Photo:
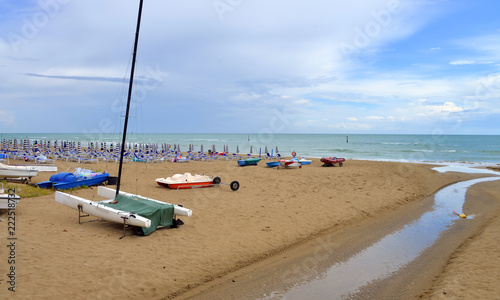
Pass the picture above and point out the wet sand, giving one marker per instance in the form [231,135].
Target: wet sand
[272,212]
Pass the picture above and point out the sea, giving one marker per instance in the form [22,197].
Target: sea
[429,148]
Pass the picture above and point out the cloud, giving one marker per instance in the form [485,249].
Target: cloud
[374,118]
[95,78]
[462,62]
[233,72]
[470,62]
[7,117]
[446,107]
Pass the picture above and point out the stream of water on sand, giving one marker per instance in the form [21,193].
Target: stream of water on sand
[392,252]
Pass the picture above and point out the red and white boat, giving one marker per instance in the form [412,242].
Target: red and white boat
[331,161]
[291,163]
[187,181]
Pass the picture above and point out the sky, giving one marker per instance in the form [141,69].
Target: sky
[251,66]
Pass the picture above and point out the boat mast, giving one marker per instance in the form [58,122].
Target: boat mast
[122,150]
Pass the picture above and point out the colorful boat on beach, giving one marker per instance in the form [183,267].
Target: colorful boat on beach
[331,161]
[67,180]
[304,161]
[248,161]
[290,163]
[187,181]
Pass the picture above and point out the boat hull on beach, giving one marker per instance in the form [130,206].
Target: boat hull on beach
[187,181]
[331,161]
[292,163]
[273,164]
[248,162]
[98,209]
[73,182]
[8,171]
[8,201]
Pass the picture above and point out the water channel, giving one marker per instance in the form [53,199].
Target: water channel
[383,263]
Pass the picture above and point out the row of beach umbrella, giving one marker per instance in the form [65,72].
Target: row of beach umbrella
[56,149]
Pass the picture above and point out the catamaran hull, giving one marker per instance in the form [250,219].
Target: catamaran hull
[101,211]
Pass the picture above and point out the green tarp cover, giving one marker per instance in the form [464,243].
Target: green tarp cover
[160,214]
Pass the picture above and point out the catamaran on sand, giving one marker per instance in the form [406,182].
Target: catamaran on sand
[122,207]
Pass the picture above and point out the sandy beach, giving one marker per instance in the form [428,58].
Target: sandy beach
[272,212]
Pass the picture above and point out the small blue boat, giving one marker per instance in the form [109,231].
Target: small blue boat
[305,161]
[66,180]
[273,164]
[248,162]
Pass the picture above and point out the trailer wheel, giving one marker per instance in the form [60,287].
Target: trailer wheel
[216,180]
[341,164]
[235,185]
